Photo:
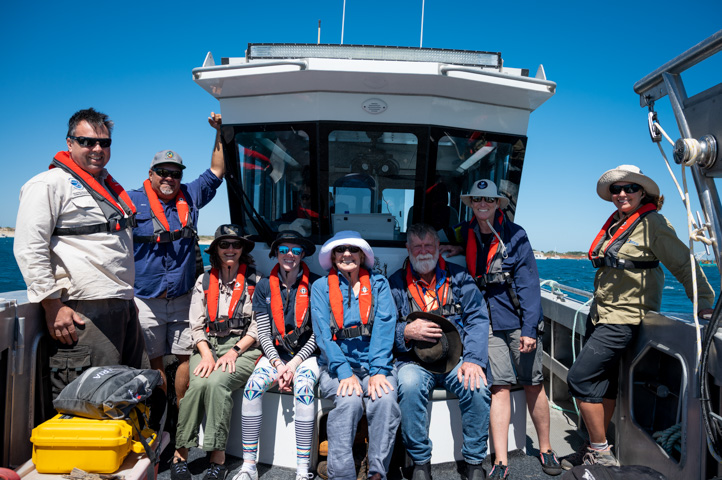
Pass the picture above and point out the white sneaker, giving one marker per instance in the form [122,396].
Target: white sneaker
[246,475]
[304,476]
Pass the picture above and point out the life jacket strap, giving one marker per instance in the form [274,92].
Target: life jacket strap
[290,340]
[353,332]
[236,323]
[112,226]
[166,237]
[621,263]
[503,278]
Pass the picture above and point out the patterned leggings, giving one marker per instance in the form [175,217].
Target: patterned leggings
[304,381]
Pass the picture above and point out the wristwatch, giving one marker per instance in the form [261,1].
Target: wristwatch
[237,349]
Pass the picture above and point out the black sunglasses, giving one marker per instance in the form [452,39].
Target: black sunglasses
[237,244]
[343,248]
[174,174]
[629,188]
[486,199]
[283,250]
[89,142]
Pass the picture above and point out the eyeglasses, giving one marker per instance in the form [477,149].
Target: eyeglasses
[629,188]
[237,244]
[486,199]
[282,250]
[89,142]
[344,248]
[174,174]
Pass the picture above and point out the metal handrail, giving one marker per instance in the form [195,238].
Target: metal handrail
[688,59]
[552,86]
[217,68]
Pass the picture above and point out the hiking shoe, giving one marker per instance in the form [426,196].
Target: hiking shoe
[322,470]
[421,472]
[179,470]
[499,470]
[216,472]
[550,463]
[475,472]
[247,475]
[601,457]
[573,459]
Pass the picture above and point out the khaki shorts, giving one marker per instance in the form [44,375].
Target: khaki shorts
[508,365]
[165,325]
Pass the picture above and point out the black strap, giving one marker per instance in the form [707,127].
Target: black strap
[354,332]
[290,341]
[234,323]
[621,263]
[107,227]
[166,237]
[504,278]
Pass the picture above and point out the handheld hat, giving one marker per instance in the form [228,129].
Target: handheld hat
[345,237]
[292,236]
[167,156]
[625,173]
[484,188]
[442,356]
[228,231]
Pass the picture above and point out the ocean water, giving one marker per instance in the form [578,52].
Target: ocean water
[574,273]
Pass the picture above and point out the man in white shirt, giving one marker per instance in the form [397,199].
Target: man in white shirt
[73,244]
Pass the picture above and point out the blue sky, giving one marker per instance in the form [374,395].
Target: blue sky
[133,61]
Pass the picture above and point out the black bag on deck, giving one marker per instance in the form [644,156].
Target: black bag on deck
[107,392]
[599,472]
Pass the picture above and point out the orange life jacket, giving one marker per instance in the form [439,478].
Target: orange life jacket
[119,210]
[244,285]
[609,256]
[161,227]
[290,341]
[366,307]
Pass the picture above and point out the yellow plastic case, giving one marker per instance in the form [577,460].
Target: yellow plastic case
[98,446]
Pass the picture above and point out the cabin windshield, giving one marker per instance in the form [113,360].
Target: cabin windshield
[322,177]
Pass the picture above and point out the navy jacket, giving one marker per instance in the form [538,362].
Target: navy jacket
[472,323]
[520,263]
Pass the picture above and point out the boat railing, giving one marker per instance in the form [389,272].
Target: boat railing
[197,72]
[445,69]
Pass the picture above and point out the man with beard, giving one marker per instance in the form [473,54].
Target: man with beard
[164,244]
[441,341]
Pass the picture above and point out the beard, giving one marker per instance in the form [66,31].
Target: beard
[425,263]
[166,189]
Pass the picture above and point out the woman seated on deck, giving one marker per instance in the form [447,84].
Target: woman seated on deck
[281,306]
[226,350]
[354,319]
[628,284]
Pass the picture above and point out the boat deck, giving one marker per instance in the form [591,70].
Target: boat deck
[524,465]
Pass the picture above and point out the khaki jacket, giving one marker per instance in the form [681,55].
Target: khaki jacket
[624,296]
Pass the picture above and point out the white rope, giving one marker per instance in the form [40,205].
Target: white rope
[696,234]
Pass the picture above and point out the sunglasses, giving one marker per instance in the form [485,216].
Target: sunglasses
[89,142]
[237,244]
[174,174]
[486,199]
[344,248]
[629,188]
[295,250]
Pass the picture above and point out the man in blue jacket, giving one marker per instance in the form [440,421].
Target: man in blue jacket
[164,245]
[500,258]
[441,341]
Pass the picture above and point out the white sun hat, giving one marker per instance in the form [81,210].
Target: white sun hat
[484,188]
[345,237]
[625,173]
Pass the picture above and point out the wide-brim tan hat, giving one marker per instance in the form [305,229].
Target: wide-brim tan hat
[442,356]
[625,173]
[345,237]
[484,188]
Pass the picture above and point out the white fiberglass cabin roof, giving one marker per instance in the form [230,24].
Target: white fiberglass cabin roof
[291,82]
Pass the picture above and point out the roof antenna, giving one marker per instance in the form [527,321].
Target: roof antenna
[319,33]
[421,42]
[343,20]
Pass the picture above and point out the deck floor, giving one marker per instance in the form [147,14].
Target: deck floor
[564,438]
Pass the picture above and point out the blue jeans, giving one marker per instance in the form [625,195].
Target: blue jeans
[415,387]
[383,419]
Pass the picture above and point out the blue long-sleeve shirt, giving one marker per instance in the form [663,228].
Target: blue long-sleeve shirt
[169,267]
[342,357]
[520,263]
[472,323]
